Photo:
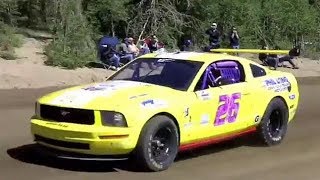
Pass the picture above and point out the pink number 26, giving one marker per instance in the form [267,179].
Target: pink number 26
[228,110]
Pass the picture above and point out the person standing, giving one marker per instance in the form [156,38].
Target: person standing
[234,38]
[214,36]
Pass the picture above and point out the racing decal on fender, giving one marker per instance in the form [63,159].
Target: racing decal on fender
[80,97]
[277,84]
[257,119]
[186,112]
[205,119]
[112,86]
[153,103]
[292,97]
[205,95]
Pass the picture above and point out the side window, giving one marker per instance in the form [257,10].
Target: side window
[257,71]
[221,73]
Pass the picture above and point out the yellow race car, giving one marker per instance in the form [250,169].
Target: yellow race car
[160,104]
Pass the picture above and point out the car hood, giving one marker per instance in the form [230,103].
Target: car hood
[108,95]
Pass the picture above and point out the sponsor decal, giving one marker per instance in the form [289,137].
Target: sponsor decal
[153,103]
[165,60]
[186,112]
[205,95]
[277,84]
[205,119]
[292,97]
[257,119]
[111,85]
[148,102]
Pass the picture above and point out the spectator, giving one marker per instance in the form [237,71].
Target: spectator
[273,59]
[293,53]
[110,55]
[115,62]
[124,52]
[186,45]
[143,46]
[153,44]
[132,48]
[214,36]
[234,39]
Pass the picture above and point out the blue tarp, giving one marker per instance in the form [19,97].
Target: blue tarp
[107,40]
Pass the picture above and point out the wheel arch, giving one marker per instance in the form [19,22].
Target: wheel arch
[282,99]
[172,117]
[277,97]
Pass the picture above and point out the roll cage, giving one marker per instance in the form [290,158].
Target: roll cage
[220,73]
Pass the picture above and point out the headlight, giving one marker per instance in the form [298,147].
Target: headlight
[110,118]
[37,110]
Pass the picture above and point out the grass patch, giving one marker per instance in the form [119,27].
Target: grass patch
[69,57]
[8,55]
[8,41]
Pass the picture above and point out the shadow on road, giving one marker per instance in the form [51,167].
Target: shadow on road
[248,140]
[29,154]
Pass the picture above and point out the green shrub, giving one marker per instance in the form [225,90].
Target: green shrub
[73,46]
[8,55]
[67,57]
[8,36]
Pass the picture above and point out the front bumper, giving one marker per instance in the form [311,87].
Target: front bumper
[55,153]
[84,139]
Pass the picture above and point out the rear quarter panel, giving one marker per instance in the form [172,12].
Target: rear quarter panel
[273,84]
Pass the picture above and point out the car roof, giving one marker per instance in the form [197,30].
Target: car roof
[205,57]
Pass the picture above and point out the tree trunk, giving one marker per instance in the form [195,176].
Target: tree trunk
[112,29]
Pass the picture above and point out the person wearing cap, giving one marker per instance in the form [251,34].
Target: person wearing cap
[214,36]
[124,52]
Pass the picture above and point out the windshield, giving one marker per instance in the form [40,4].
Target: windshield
[173,73]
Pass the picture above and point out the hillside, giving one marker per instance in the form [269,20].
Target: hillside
[29,71]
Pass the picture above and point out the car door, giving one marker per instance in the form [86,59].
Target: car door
[222,109]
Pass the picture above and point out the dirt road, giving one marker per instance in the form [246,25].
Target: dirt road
[297,158]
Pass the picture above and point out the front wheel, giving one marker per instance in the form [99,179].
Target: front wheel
[158,144]
[273,126]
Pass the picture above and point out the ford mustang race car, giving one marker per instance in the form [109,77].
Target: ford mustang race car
[161,104]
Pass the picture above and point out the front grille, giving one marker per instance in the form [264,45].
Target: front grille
[59,143]
[68,115]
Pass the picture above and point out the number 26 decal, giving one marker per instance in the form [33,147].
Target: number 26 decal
[228,110]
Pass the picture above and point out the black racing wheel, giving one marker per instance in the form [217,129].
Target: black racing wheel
[158,144]
[273,126]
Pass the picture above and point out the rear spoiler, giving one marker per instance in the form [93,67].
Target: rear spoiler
[253,51]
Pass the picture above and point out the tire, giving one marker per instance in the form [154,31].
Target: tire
[149,144]
[273,126]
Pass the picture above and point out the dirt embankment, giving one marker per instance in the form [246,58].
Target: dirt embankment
[29,71]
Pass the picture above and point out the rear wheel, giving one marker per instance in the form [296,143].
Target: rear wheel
[273,127]
[158,144]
